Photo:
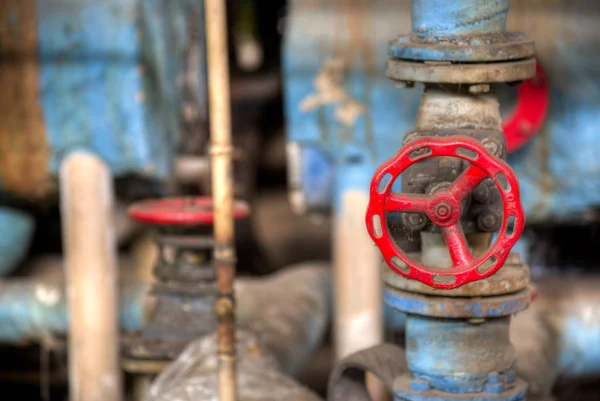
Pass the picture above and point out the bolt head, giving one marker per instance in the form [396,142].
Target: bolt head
[493,147]
[494,388]
[482,193]
[494,378]
[419,385]
[487,222]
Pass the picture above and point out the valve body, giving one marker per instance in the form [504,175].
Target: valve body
[445,211]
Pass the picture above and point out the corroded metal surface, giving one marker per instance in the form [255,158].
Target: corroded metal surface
[455,307]
[24,148]
[511,278]
[452,18]
[454,353]
[516,392]
[445,72]
[492,47]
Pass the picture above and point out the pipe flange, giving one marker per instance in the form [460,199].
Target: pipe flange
[483,48]
[447,73]
[407,388]
[514,276]
[459,308]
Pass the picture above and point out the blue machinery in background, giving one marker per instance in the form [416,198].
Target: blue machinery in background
[345,119]
[101,77]
[342,113]
[88,75]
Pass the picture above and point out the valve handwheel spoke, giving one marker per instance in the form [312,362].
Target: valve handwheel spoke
[466,182]
[407,203]
[457,244]
[444,209]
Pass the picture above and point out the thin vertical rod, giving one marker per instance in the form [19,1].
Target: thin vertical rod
[90,261]
[222,191]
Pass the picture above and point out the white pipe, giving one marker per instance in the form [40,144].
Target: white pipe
[91,274]
[358,293]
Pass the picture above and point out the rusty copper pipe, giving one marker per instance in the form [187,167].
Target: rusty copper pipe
[222,191]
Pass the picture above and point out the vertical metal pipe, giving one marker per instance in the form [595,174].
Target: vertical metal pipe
[91,273]
[222,191]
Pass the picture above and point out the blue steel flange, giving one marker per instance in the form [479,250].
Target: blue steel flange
[509,388]
[480,48]
[458,307]
[461,31]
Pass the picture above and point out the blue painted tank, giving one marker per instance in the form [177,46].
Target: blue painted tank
[101,76]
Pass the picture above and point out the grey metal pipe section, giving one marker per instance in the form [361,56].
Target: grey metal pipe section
[35,310]
[282,320]
[289,312]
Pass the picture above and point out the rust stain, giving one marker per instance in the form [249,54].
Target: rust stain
[24,149]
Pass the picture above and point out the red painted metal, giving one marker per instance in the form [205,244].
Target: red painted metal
[530,112]
[444,208]
[181,211]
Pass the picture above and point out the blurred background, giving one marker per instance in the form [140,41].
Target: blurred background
[126,81]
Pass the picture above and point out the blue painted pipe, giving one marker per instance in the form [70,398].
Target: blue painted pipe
[448,18]
[17,229]
[34,310]
[455,355]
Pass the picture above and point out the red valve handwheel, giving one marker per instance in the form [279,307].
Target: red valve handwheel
[181,211]
[444,209]
[530,112]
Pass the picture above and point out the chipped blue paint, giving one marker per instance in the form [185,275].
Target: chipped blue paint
[448,22]
[448,18]
[405,304]
[458,357]
[108,80]
[316,177]
[475,308]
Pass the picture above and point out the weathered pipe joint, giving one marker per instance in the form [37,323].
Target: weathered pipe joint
[447,34]
[458,341]
[498,387]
